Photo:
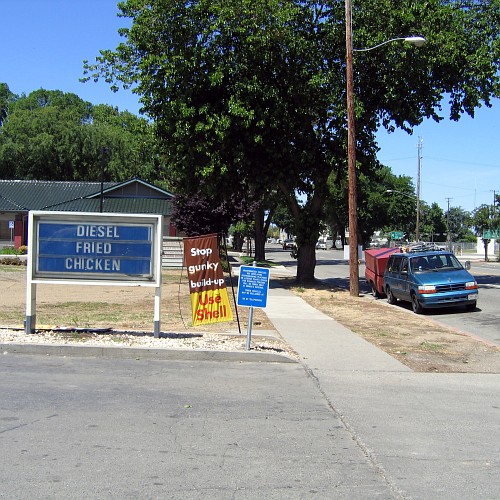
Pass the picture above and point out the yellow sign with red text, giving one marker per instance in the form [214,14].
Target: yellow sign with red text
[207,286]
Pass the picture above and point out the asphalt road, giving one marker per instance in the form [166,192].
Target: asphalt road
[123,428]
[483,323]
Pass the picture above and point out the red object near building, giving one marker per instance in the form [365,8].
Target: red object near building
[375,264]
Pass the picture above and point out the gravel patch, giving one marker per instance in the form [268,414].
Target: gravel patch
[167,340]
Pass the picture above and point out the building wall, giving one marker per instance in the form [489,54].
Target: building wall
[6,233]
[491,247]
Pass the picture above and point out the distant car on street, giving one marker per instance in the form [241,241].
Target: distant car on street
[324,244]
[289,244]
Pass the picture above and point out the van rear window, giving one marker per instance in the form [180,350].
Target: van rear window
[394,265]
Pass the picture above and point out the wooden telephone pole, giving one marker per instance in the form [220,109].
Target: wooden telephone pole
[419,164]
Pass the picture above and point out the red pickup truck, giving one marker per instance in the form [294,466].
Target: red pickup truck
[375,263]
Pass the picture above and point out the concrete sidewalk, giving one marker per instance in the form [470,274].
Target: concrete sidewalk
[432,436]
[321,341]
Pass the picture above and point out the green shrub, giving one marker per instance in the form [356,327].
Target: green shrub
[22,250]
[8,251]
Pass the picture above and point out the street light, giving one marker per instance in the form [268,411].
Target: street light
[418,41]
[351,146]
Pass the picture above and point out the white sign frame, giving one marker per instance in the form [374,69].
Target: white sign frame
[33,277]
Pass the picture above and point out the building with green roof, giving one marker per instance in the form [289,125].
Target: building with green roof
[135,196]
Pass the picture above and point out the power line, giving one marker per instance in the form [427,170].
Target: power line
[464,162]
[447,160]
[398,159]
[457,187]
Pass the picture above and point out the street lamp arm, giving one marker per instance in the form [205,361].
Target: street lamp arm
[413,196]
[418,41]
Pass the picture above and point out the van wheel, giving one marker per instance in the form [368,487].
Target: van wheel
[415,304]
[390,297]
[471,307]
[375,292]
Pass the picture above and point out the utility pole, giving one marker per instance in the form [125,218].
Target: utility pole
[419,164]
[351,158]
[493,208]
[448,224]
[493,222]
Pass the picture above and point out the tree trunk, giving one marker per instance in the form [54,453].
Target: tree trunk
[486,243]
[307,227]
[262,224]
[306,262]
[238,243]
[260,236]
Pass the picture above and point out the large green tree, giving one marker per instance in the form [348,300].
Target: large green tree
[6,97]
[458,221]
[53,135]
[483,219]
[387,203]
[486,218]
[433,223]
[253,91]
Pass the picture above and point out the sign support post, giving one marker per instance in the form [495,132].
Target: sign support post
[253,286]
[11,227]
[157,312]
[30,321]
[30,308]
[249,328]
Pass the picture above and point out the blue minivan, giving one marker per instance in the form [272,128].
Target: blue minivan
[429,279]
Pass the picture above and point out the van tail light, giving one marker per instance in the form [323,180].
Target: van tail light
[471,285]
[426,289]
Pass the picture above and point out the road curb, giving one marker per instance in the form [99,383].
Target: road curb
[145,353]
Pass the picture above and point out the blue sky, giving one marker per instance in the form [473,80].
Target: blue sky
[44,43]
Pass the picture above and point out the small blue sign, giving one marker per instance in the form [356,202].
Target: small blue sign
[253,286]
[108,249]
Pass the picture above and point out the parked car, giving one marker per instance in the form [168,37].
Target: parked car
[289,244]
[429,279]
[324,244]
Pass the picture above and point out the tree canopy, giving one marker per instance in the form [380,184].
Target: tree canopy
[196,214]
[6,97]
[253,91]
[52,135]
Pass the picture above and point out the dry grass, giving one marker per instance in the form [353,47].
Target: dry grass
[122,308]
[416,340]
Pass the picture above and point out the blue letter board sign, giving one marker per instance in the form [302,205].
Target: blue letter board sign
[112,249]
[91,247]
[253,285]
